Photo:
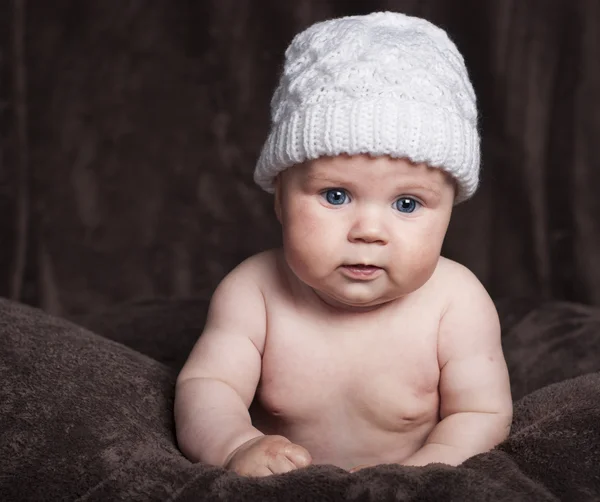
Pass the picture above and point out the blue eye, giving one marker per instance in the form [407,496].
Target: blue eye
[336,196]
[406,205]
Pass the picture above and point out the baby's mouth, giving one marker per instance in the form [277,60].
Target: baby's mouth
[361,269]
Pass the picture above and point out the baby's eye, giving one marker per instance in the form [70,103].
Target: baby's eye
[406,204]
[336,196]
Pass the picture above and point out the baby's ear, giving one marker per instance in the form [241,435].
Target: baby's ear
[277,200]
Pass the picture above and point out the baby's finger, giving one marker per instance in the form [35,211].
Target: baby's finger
[280,464]
[298,455]
[257,471]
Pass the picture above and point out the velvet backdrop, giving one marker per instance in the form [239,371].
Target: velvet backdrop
[144,120]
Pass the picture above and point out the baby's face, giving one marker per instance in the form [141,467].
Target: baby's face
[360,230]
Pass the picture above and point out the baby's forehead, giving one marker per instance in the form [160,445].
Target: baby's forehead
[366,167]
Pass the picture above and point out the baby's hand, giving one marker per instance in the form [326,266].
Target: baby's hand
[266,455]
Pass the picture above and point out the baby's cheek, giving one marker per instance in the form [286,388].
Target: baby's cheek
[308,252]
[308,229]
[311,254]
[420,259]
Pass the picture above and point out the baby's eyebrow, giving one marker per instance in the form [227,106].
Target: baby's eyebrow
[428,187]
[399,186]
[324,177]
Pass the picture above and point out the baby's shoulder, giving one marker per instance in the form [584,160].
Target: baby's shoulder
[452,280]
[460,289]
[262,269]
[449,271]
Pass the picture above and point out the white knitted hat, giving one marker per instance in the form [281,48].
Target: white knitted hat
[380,84]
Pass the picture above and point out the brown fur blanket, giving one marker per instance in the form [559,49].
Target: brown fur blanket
[87,418]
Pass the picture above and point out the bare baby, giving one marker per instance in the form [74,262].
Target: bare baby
[356,343]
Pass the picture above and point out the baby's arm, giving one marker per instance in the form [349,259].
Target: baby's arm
[217,384]
[218,381]
[475,398]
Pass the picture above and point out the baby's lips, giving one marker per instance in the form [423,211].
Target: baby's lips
[361,265]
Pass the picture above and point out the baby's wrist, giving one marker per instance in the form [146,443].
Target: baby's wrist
[237,442]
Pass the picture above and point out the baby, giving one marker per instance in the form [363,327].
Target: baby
[355,344]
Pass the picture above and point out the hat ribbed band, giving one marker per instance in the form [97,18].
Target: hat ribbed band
[400,129]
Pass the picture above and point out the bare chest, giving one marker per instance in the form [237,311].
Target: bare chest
[380,371]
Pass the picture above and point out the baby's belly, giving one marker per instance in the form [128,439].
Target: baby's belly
[348,446]
[349,428]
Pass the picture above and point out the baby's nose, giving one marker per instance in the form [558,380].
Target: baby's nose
[369,227]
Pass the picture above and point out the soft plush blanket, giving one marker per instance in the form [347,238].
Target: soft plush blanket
[87,418]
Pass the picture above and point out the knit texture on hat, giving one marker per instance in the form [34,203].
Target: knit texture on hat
[380,84]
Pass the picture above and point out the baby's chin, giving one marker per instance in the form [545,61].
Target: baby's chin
[346,304]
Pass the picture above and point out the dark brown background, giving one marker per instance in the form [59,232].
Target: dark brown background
[131,147]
